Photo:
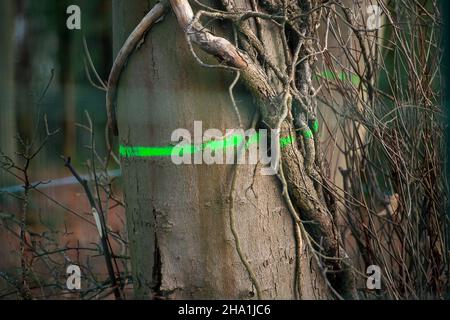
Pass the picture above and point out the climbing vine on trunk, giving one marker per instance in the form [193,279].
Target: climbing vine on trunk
[287,87]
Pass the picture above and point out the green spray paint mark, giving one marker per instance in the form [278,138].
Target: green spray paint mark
[167,151]
[145,151]
[315,126]
[307,134]
[285,141]
[330,75]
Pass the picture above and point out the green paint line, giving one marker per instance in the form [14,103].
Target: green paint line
[167,151]
[307,134]
[315,126]
[330,75]
[125,151]
[285,141]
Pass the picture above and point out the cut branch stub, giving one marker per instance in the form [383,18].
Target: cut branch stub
[225,52]
[219,47]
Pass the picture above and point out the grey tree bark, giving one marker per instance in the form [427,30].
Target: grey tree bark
[178,216]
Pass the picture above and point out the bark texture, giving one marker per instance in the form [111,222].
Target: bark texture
[178,221]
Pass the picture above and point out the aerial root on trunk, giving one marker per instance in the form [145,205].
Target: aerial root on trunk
[133,40]
[296,171]
[275,108]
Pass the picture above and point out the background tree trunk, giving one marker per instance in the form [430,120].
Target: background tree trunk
[7,119]
[7,105]
[178,221]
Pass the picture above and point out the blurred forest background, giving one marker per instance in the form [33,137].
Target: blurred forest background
[47,102]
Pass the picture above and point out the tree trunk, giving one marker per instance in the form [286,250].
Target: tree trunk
[67,79]
[7,106]
[178,217]
[7,124]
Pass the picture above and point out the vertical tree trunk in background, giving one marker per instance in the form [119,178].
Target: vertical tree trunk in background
[177,216]
[346,96]
[68,88]
[23,73]
[67,65]
[332,138]
[7,123]
[7,106]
